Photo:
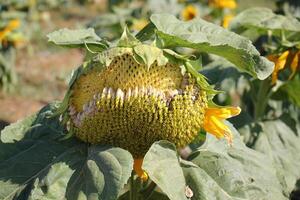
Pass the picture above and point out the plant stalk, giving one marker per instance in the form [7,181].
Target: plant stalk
[262,99]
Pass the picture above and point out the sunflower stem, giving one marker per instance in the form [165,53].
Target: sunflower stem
[147,192]
[132,187]
[262,99]
[135,186]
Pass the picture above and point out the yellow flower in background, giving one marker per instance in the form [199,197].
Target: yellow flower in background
[137,166]
[213,121]
[280,62]
[189,13]
[138,24]
[12,25]
[227,19]
[230,4]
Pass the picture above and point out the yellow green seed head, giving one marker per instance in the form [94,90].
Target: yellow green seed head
[130,105]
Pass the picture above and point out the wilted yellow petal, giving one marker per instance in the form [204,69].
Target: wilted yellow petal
[138,169]
[279,64]
[295,64]
[213,121]
[223,113]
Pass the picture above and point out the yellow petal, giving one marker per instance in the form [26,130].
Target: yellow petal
[230,4]
[12,25]
[138,169]
[226,20]
[279,64]
[295,64]
[282,60]
[223,112]
[214,121]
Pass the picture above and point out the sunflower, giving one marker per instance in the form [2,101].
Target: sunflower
[189,13]
[230,4]
[131,97]
[11,26]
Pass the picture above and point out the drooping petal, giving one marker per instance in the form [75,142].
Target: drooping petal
[214,121]
[279,64]
[223,112]
[295,64]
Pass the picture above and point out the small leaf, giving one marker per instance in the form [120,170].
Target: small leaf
[207,37]
[16,131]
[127,39]
[76,38]
[157,164]
[150,54]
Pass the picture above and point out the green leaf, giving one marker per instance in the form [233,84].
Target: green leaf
[127,39]
[290,89]
[161,163]
[16,131]
[37,164]
[76,38]
[54,184]
[281,144]
[150,54]
[207,37]
[262,20]
[100,174]
[146,32]
[219,171]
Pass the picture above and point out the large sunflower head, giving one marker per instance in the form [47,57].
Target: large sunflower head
[134,94]
[121,101]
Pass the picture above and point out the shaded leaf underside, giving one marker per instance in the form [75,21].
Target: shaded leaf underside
[37,164]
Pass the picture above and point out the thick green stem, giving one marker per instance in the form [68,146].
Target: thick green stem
[262,99]
[132,187]
[147,192]
[135,187]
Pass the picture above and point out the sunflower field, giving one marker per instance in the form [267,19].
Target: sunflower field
[150,100]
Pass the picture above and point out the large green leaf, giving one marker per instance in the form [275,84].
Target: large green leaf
[216,171]
[207,37]
[281,144]
[38,164]
[76,38]
[219,171]
[162,165]
[262,20]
